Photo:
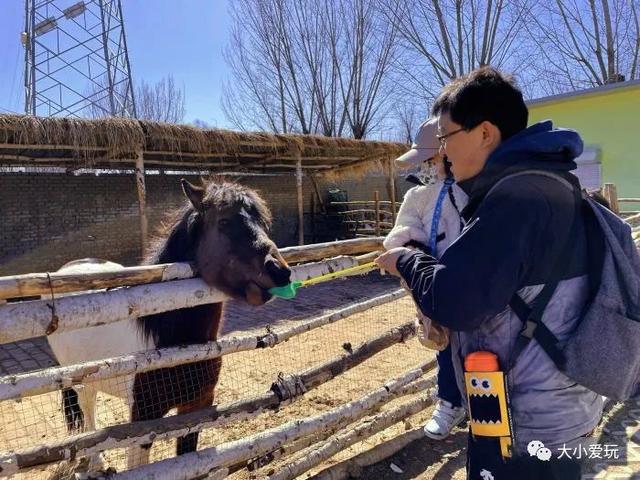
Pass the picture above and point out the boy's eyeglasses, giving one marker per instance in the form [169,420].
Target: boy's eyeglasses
[443,138]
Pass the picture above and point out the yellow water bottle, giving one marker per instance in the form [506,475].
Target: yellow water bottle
[488,399]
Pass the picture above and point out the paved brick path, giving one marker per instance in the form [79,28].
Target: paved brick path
[34,354]
[309,301]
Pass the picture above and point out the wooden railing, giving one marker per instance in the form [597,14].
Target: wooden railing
[610,192]
[367,218]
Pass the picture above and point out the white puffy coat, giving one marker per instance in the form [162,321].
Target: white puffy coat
[416,213]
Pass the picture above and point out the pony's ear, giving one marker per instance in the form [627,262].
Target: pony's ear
[194,194]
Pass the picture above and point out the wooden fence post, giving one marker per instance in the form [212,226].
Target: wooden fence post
[313,218]
[300,198]
[392,189]
[142,200]
[376,199]
[611,194]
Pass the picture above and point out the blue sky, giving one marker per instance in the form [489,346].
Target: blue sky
[183,38]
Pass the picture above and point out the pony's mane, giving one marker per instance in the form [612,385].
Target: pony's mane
[175,240]
[223,194]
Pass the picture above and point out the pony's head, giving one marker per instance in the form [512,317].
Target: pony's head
[234,251]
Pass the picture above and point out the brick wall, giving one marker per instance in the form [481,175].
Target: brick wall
[49,219]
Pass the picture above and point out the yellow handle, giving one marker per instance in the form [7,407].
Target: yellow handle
[365,267]
[505,447]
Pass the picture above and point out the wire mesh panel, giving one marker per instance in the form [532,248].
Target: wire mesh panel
[52,417]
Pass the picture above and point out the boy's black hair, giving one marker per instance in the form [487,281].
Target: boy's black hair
[439,103]
[485,94]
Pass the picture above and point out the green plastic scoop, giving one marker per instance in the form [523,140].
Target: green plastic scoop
[289,291]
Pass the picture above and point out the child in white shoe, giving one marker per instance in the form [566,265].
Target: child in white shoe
[429,219]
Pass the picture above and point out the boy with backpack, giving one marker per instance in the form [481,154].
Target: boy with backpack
[537,271]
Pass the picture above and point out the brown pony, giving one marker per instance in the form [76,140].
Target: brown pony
[223,229]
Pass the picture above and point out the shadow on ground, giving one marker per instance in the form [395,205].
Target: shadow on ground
[425,459]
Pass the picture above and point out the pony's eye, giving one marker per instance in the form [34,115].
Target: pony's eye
[224,222]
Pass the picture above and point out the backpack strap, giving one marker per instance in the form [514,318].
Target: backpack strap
[531,316]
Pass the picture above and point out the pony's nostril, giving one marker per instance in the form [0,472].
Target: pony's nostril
[286,275]
[279,274]
[283,278]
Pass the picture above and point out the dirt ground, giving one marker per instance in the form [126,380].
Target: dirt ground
[427,459]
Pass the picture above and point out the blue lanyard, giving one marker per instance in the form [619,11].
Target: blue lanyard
[437,212]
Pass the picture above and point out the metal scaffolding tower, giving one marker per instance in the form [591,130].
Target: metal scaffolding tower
[76,61]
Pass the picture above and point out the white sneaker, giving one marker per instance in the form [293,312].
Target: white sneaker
[444,418]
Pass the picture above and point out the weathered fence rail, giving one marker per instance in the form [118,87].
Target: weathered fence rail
[208,460]
[22,320]
[34,284]
[139,433]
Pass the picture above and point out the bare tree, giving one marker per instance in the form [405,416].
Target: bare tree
[308,66]
[442,40]
[266,90]
[585,43]
[160,102]
[408,116]
[369,42]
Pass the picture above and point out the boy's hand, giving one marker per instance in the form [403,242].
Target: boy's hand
[387,261]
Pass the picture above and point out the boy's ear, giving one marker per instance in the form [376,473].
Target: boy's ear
[491,136]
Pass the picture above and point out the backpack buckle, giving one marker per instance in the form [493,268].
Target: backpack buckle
[529,329]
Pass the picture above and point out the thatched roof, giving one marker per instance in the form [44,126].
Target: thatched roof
[115,143]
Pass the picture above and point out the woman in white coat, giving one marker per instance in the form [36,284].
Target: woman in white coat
[429,219]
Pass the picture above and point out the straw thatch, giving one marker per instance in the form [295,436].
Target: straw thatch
[115,143]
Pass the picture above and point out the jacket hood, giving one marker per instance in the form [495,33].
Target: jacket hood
[538,147]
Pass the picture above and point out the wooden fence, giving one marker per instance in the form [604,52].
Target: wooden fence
[166,287]
[620,205]
[305,442]
[367,218]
